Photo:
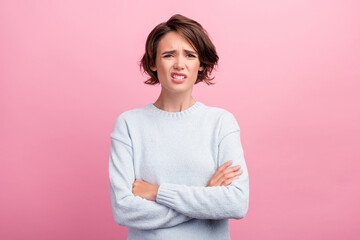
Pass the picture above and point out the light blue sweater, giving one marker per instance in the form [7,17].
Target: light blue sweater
[180,152]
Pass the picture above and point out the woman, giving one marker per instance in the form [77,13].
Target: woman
[177,167]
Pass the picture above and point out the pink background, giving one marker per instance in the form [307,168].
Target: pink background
[288,70]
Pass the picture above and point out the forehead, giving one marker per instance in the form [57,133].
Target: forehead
[173,41]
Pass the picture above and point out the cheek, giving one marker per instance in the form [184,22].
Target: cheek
[164,66]
[195,68]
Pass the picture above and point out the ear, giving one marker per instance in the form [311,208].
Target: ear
[153,68]
[201,68]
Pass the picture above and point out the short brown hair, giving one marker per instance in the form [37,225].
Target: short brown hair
[197,37]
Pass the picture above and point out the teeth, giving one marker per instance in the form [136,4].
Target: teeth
[178,77]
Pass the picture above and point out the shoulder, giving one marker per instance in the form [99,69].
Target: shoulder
[221,114]
[129,114]
[121,125]
[225,121]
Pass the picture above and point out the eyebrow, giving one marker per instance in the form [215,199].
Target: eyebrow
[172,51]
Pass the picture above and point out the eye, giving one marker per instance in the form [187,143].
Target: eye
[191,55]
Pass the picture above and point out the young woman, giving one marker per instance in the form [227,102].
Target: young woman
[177,167]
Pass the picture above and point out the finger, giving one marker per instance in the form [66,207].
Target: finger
[221,171]
[215,182]
[221,175]
[233,174]
[221,168]
[232,169]
[228,181]
[225,165]
[218,177]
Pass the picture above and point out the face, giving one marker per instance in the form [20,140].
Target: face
[175,54]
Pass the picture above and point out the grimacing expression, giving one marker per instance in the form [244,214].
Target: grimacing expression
[175,54]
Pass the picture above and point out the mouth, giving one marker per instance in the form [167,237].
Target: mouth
[178,76]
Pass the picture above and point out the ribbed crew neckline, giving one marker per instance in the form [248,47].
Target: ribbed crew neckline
[176,115]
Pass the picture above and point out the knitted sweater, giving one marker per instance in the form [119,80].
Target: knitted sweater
[180,152]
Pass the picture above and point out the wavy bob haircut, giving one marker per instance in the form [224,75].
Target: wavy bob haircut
[197,37]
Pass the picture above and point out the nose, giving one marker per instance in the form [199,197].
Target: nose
[179,62]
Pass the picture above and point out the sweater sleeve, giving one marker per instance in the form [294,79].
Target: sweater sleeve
[217,202]
[129,210]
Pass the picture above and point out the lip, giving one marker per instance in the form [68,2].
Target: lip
[179,74]
[178,80]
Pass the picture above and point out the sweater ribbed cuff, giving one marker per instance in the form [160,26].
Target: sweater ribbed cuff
[166,195]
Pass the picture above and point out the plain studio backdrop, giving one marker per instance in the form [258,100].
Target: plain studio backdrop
[289,71]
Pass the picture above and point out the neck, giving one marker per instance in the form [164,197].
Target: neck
[174,103]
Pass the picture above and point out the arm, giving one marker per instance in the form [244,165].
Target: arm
[213,202]
[129,210]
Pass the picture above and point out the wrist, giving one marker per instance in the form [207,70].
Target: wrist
[156,188]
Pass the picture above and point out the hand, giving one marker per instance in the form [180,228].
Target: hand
[145,190]
[223,176]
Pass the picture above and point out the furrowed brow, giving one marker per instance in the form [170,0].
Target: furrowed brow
[172,51]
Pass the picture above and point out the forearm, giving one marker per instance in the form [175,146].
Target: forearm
[217,202]
[205,202]
[129,210]
[136,212]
